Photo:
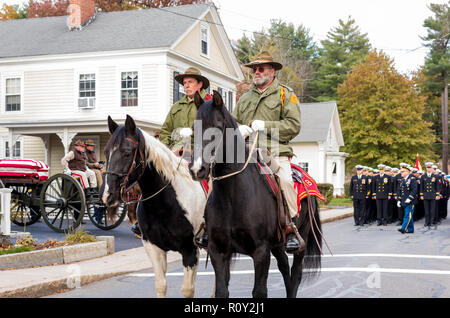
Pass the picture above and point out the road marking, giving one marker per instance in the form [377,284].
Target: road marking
[330,269]
[359,255]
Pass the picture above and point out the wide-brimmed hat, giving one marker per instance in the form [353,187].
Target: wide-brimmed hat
[89,142]
[265,58]
[79,142]
[195,73]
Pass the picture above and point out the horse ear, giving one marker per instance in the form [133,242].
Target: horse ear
[198,100]
[130,125]
[112,125]
[217,99]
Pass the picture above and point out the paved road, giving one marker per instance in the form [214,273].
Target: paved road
[368,262]
[124,238]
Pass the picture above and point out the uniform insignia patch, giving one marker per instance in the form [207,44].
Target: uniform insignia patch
[385,180]
[294,99]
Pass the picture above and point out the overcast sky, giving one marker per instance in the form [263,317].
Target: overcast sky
[392,25]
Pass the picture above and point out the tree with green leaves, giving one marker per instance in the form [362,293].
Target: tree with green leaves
[436,71]
[344,47]
[292,46]
[381,115]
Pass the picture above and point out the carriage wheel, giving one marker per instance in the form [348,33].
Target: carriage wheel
[23,213]
[62,203]
[97,214]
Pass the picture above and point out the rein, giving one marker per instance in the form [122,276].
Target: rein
[311,218]
[126,190]
[239,171]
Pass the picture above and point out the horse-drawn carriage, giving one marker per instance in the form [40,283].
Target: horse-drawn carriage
[61,199]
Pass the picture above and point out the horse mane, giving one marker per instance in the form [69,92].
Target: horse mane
[155,152]
[164,160]
[205,111]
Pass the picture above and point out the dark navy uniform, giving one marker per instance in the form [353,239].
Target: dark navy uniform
[382,191]
[429,189]
[358,192]
[406,198]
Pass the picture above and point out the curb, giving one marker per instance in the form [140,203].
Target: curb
[58,285]
[336,218]
[59,255]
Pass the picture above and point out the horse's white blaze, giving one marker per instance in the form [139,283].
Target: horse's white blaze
[197,165]
[158,258]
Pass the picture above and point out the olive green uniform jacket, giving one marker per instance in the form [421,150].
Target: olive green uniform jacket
[268,106]
[181,115]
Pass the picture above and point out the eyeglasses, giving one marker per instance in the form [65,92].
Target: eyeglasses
[260,69]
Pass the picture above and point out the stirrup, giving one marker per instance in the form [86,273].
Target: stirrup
[199,240]
[292,229]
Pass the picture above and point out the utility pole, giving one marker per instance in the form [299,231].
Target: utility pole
[445,128]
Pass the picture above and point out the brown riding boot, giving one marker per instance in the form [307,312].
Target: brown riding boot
[294,242]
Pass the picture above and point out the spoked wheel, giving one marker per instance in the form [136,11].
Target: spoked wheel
[63,203]
[23,212]
[98,215]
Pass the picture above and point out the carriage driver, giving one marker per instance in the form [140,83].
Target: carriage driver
[92,162]
[74,162]
[269,105]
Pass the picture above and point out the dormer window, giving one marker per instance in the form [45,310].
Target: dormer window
[204,39]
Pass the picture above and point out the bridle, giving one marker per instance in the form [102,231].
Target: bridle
[126,189]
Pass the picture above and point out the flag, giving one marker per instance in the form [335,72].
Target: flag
[418,166]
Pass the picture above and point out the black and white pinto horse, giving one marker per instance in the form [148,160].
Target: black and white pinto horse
[171,209]
[241,211]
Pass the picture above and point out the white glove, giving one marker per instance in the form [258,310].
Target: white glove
[407,201]
[68,171]
[185,132]
[399,204]
[258,125]
[245,130]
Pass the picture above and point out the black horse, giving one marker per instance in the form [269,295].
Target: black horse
[241,212]
[171,209]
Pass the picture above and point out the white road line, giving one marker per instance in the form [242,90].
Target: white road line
[330,269]
[443,257]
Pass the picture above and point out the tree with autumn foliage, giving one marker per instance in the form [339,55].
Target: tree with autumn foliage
[50,8]
[382,115]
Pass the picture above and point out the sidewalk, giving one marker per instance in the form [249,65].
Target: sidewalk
[46,280]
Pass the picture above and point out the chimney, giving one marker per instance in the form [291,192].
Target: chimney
[81,12]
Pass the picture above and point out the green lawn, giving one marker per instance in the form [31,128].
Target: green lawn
[340,202]
[16,250]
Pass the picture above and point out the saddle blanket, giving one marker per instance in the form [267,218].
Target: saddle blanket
[28,168]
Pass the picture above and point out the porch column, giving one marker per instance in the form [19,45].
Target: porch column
[66,139]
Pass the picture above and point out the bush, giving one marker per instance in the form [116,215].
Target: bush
[326,189]
[80,236]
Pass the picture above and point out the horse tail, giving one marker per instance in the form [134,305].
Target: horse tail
[313,254]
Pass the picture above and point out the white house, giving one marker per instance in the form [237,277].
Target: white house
[59,84]
[317,145]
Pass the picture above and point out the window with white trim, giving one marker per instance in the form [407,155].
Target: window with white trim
[86,95]
[178,89]
[204,39]
[12,94]
[16,152]
[227,97]
[304,166]
[129,89]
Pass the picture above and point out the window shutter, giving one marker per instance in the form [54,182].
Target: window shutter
[176,88]
[230,101]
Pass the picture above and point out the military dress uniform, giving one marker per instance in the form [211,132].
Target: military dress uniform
[382,191]
[395,185]
[429,189]
[358,192]
[407,195]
